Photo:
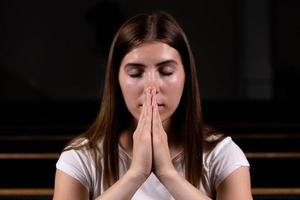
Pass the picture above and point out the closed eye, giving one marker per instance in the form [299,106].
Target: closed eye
[166,70]
[166,73]
[134,70]
[135,73]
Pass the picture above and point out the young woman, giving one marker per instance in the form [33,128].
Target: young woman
[149,141]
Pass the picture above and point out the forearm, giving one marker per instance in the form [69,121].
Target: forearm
[124,188]
[181,188]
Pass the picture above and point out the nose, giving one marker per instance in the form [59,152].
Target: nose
[152,81]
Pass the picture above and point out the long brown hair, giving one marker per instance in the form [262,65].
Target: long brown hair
[114,117]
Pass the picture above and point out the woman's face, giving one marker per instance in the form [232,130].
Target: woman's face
[154,65]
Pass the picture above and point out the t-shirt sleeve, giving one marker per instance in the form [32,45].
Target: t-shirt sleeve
[75,163]
[226,157]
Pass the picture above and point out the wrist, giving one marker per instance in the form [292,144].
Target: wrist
[167,174]
[136,176]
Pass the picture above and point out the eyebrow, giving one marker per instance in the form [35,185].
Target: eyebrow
[135,65]
[170,61]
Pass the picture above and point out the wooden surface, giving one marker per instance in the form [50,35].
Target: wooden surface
[29,155]
[275,191]
[26,192]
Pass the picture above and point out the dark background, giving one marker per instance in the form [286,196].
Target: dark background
[56,50]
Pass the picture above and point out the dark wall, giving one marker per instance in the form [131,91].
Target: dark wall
[56,50]
[47,51]
[286,56]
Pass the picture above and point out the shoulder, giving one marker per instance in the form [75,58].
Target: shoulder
[77,161]
[82,147]
[75,150]
[81,150]
[223,159]
[224,144]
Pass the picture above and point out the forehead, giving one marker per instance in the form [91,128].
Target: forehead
[152,52]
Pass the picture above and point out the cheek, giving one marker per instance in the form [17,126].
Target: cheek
[175,85]
[174,89]
[131,91]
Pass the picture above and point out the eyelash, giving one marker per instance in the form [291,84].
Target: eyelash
[139,74]
[136,75]
[166,73]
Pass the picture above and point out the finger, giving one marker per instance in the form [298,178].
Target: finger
[145,111]
[148,113]
[156,116]
[153,93]
[141,120]
[148,100]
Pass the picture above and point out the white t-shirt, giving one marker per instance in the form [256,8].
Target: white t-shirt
[218,163]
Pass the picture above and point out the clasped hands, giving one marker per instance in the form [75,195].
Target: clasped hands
[150,142]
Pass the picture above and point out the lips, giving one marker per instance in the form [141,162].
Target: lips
[160,104]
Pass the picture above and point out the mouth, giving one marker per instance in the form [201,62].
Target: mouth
[159,105]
